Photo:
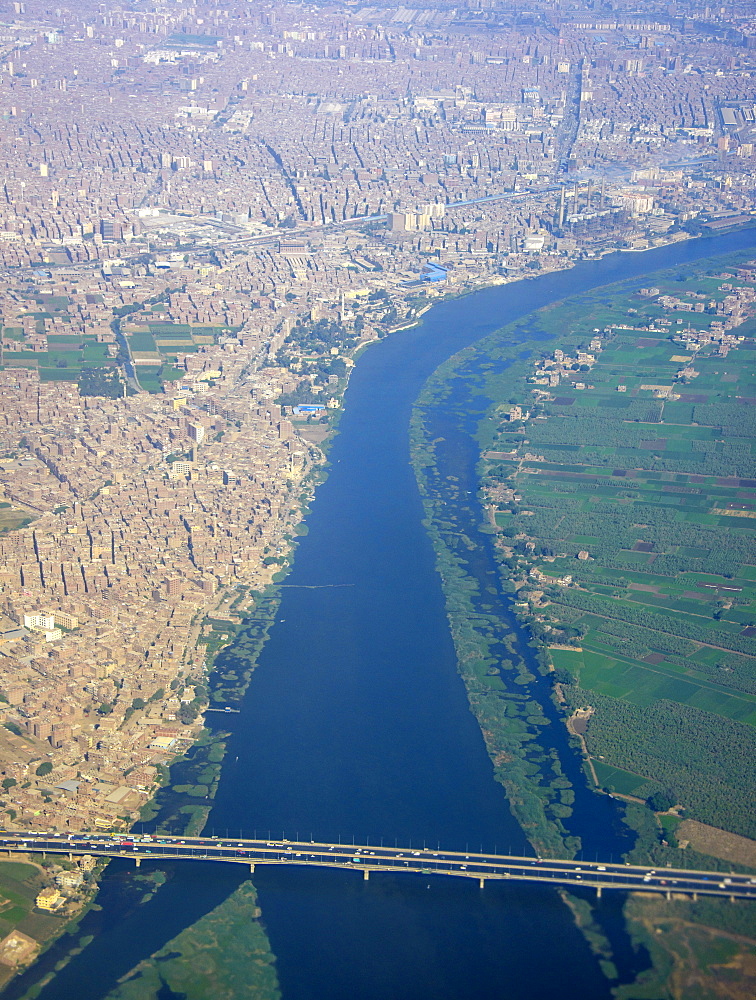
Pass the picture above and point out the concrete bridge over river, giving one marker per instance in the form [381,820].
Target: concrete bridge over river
[370,859]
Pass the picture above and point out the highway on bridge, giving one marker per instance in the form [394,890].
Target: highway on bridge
[370,858]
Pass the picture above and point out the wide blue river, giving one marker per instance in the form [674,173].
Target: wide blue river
[356,725]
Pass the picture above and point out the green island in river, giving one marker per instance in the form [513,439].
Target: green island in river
[617,480]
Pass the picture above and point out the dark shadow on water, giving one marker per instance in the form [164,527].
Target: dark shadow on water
[166,993]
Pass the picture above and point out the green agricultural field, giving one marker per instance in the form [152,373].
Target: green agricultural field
[169,373]
[64,341]
[53,303]
[643,684]
[12,518]
[149,377]
[616,780]
[141,341]
[161,343]
[635,511]
[64,359]
[94,354]
[169,330]
[567,659]
[59,374]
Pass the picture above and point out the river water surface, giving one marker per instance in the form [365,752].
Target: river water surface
[356,726]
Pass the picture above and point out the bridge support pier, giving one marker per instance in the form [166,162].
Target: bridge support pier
[137,862]
[251,868]
[366,874]
[70,856]
[598,891]
[668,894]
[481,882]
[695,897]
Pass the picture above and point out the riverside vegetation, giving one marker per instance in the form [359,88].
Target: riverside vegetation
[223,956]
[620,504]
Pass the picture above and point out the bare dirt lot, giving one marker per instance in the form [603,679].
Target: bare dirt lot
[718,843]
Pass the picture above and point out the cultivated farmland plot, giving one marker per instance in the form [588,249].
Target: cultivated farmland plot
[630,527]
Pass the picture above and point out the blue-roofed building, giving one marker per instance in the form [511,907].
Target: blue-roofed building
[307,409]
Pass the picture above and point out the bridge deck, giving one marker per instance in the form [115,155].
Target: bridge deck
[372,858]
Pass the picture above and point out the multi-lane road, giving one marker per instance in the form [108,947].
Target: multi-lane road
[369,858]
